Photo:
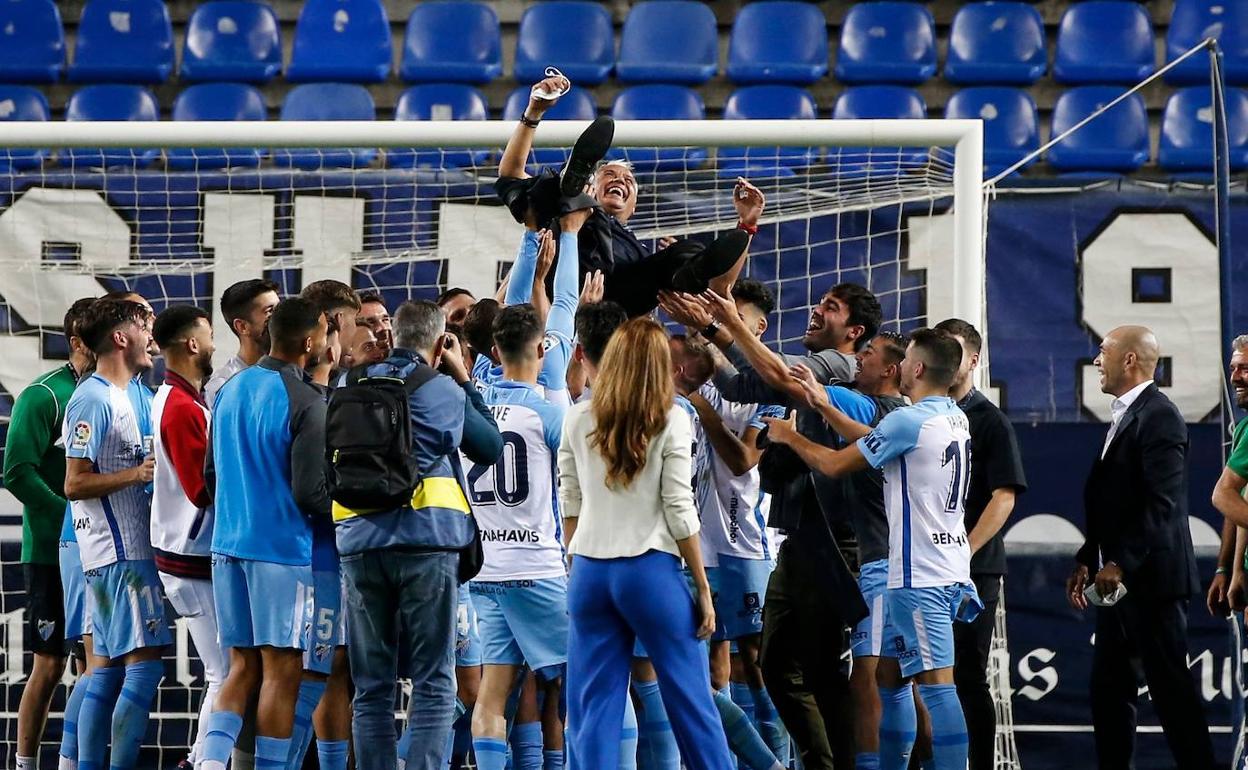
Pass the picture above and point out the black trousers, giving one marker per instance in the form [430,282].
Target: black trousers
[1144,640]
[803,642]
[972,643]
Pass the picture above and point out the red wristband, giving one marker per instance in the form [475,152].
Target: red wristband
[751,229]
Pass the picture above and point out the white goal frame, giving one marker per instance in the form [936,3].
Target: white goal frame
[965,136]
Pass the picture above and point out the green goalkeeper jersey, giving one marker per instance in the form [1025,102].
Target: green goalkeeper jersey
[34,464]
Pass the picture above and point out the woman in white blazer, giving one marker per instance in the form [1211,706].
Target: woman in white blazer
[625,488]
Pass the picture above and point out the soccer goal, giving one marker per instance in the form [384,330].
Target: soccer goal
[179,211]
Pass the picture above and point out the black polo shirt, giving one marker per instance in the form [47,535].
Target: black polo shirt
[995,463]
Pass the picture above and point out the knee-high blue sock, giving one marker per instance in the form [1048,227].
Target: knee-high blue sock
[310,692]
[949,741]
[654,732]
[743,739]
[405,743]
[526,746]
[272,753]
[69,727]
[95,717]
[491,753]
[332,755]
[867,760]
[769,725]
[220,735]
[740,693]
[628,736]
[134,706]
[552,759]
[898,724]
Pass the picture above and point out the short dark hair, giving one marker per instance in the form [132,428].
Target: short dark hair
[121,294]
[73,317]
[236,301]
[754,293]
[895,344]
[452,293]
[331,296]
[371,296]
[293,320]
[942,355]
[479,326]
[959,328]
[516,328]
[175,321]
[103,316]
[697,356]
[595,323]
[864,310]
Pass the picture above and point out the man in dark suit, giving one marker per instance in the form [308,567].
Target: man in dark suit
[1138,537]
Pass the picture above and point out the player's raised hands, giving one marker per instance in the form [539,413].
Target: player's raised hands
[749,202]
[591,291]
[816,394]
[545,254]
[546,92]
[685,309]
[721,308]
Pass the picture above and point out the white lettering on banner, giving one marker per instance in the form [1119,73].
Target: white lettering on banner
[79,220]
[1167,263]
[238,227]
[1047,675]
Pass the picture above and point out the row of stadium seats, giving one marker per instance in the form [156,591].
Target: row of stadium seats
[1118,142]
[662,41]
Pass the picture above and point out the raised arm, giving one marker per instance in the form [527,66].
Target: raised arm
[516,154]
[829,462]
[749,202]
[520,279]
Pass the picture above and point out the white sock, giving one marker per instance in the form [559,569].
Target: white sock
[211,764]
[65,763]
[28,763]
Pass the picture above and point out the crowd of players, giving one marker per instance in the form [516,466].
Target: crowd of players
[213,492]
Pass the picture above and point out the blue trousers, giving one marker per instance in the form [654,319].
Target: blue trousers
[400,601]
[612,602]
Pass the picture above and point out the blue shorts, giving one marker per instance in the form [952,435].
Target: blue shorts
[739,595]
[74,586]
[523,621]
[869,633]
[128,608]
[328,628]
[467,638]
[261,604]
[919,626]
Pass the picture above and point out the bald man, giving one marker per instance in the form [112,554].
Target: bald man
[1135,501]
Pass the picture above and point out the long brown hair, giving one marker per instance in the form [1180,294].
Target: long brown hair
[632,395]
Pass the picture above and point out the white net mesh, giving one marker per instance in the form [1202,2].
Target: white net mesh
[183,229]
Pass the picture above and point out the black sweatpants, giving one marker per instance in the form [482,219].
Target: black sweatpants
[972,643]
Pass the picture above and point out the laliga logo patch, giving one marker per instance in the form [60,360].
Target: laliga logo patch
[81,435]
[152,624]
[322,649]
[46,629]
[548,342]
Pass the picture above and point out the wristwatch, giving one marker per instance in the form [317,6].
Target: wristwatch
[711,330]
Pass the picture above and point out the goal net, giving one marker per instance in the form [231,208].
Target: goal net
[163,210]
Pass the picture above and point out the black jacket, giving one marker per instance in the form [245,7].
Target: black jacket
[1135,500]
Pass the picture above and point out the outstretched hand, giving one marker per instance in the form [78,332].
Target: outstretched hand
[749,202]
[721,308]
[816,394]
[782,430]
[685,309]
[553,87]
[545,254]
[591,292]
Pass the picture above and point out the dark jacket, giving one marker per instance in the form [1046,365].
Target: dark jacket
[1135,501]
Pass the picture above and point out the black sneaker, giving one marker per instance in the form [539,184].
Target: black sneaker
[590,148]
[694,276]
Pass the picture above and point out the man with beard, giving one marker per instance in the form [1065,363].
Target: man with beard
[1228,496]
[246,306]
[182,515]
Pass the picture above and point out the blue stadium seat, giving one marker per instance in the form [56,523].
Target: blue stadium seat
[32,43]
[341,40]
[998,43]
[660,102]
[123,41]
[452,42]
[232,40]
[1104,41]
[882,102]
[573,35]
[439,101]
[778,42]
[887,42]
[216,101]
[1116,142]
[1011,128]
[1193,21]
[22,103]
[327,101]
[769,102]
[668,41]
[1187,131]
[110,102]
[577,104]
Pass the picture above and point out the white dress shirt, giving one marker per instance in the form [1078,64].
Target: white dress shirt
[1118,408]
[651,513]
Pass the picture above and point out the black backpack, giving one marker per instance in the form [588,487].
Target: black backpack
[368,440]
